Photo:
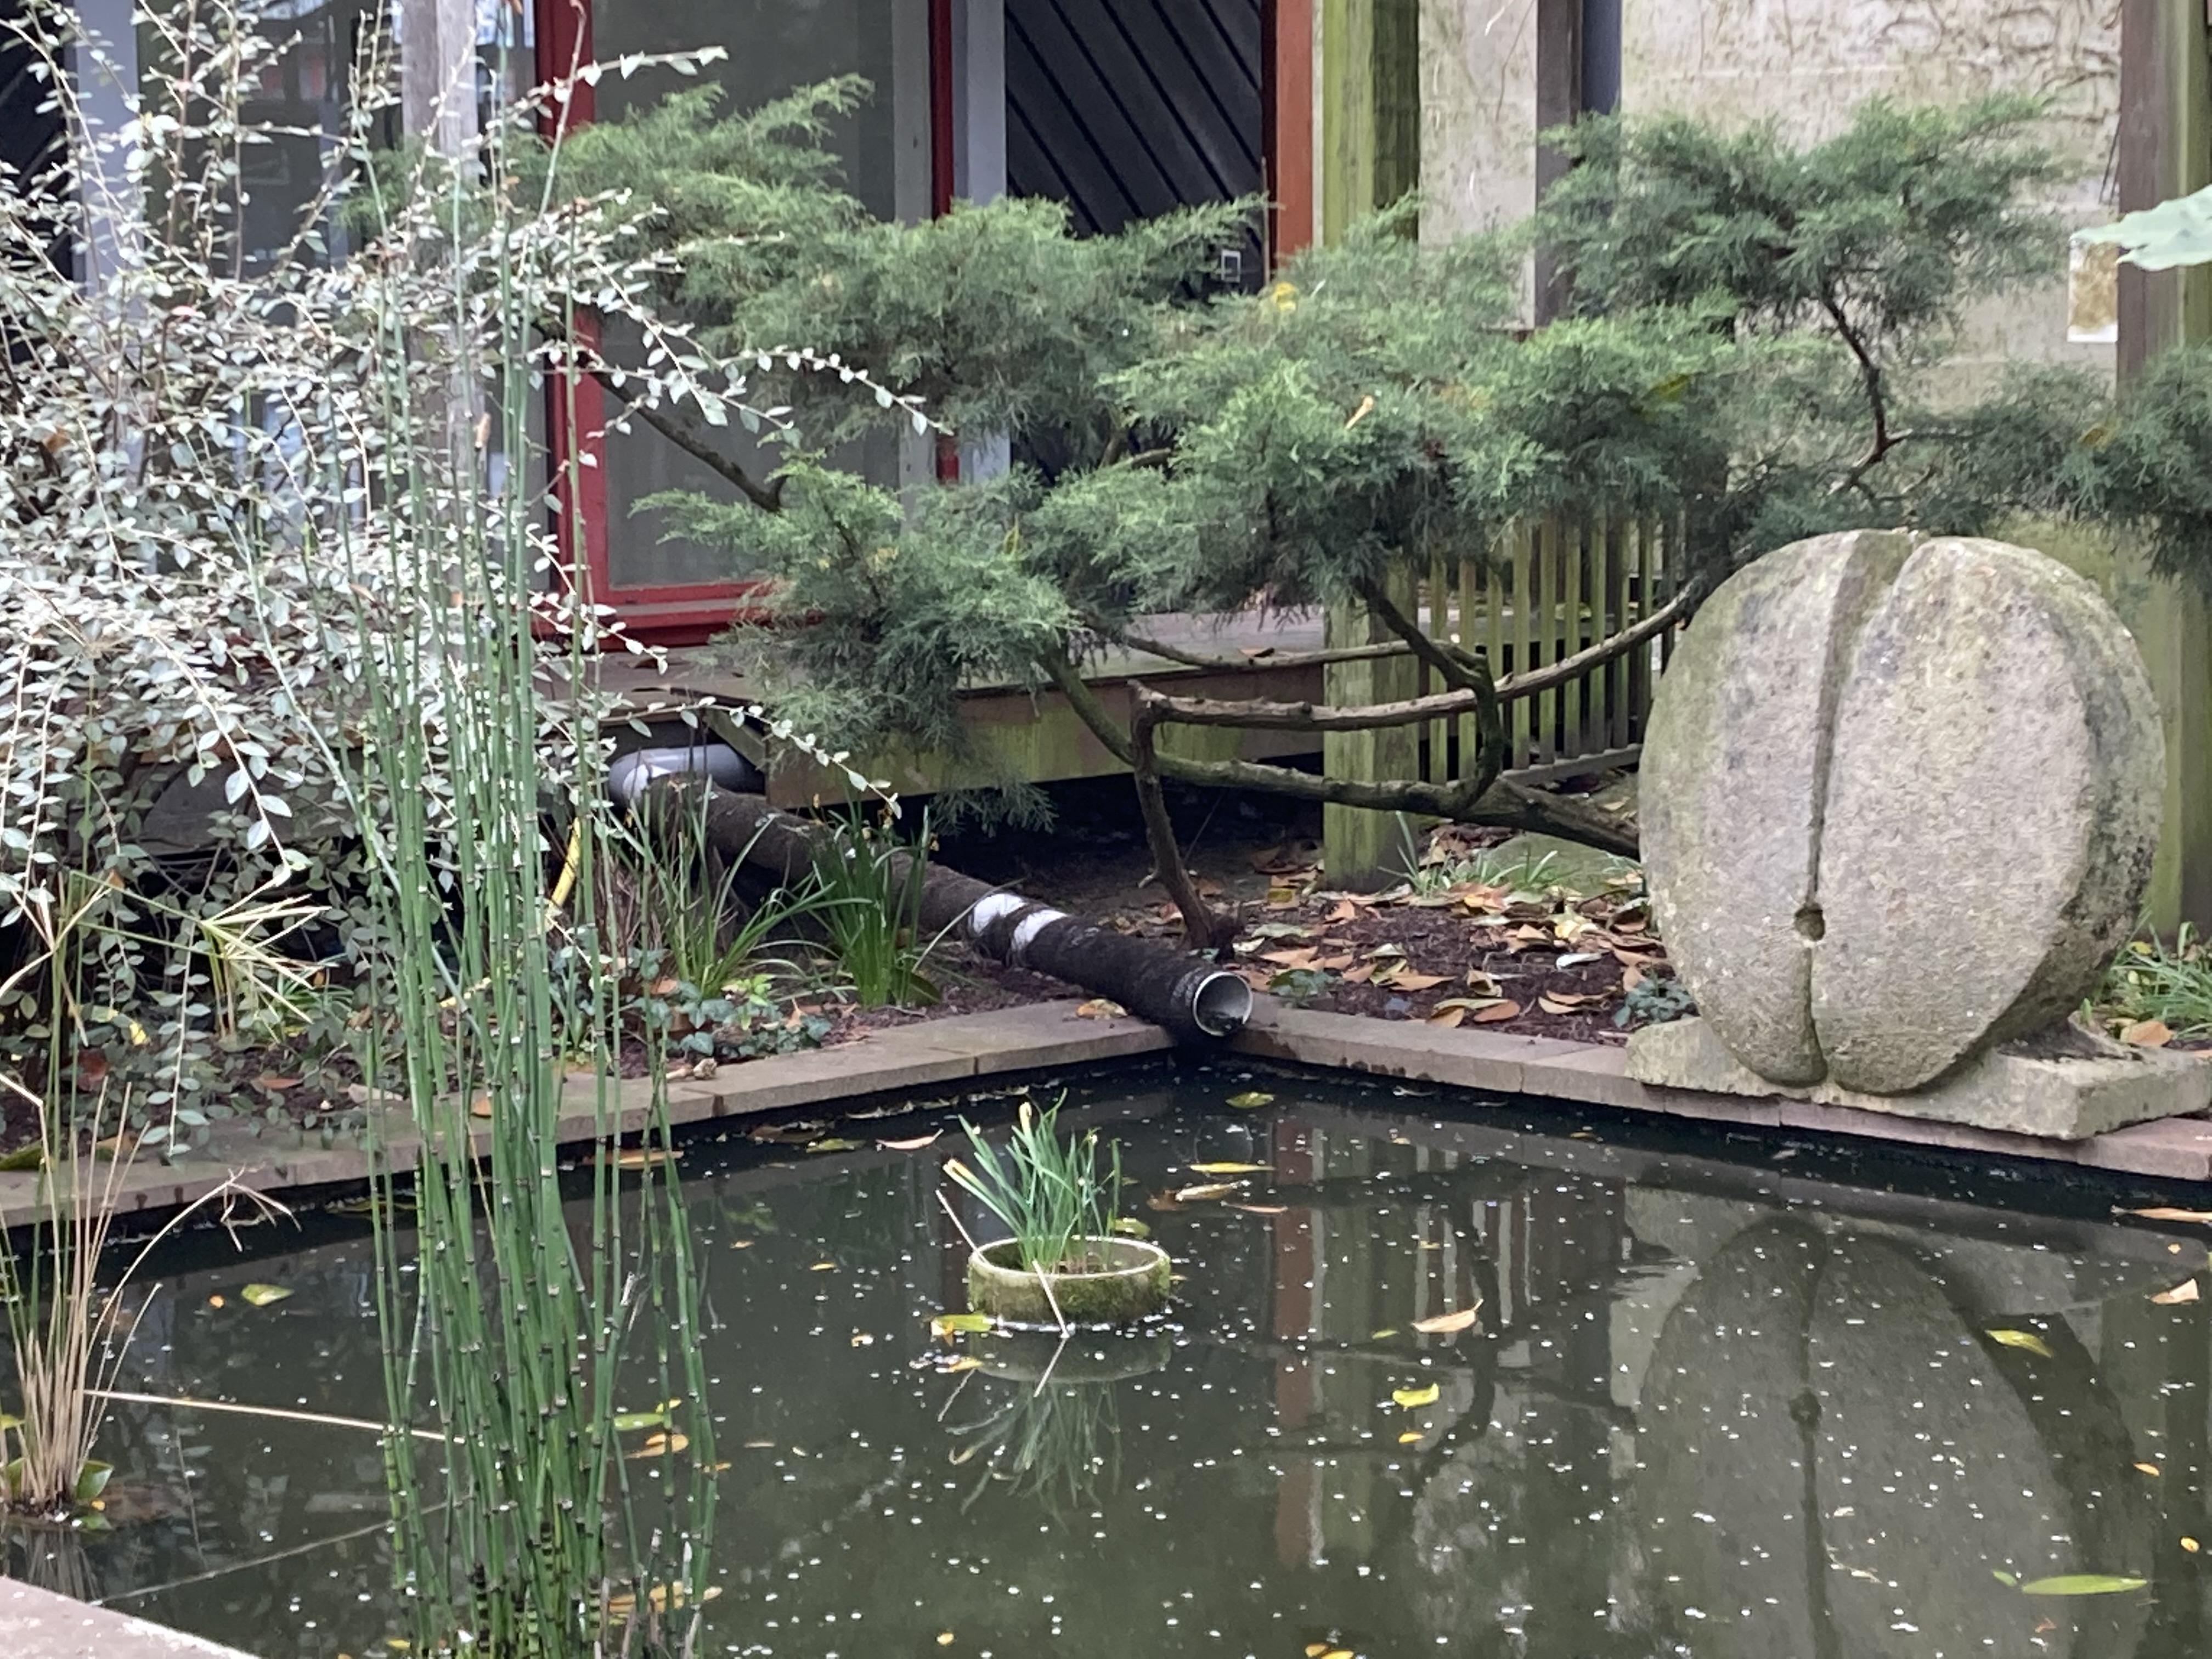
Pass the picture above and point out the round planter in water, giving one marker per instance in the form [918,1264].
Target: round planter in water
[1131,1285]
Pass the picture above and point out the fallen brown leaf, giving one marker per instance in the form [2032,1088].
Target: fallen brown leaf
[2147,1034]
[913,1145]
[1100,1008]
[2184,1292]
[1448,1018]
[1445,1324]
[1498,1011]
[2162,1213]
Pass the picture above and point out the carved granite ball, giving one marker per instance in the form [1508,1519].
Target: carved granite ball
[1900,798]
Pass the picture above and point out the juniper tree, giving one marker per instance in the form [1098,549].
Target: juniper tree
[1757,342]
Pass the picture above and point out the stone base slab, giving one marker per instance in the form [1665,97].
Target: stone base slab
[2018,1088]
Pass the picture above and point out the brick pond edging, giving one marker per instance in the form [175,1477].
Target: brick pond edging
[36,1624]
[1045,1037]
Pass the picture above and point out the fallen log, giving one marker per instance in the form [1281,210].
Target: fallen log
[1153,979]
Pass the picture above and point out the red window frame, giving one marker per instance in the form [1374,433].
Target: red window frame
[687,613]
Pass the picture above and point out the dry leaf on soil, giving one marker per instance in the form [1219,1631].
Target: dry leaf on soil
[2147,1034]
[1498,1011]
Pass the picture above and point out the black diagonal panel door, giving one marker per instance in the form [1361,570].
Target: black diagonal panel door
[1127,108]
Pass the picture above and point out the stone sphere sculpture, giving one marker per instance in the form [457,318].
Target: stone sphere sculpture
[1900,800]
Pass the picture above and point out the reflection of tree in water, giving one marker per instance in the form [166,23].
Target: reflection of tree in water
[1834,1460]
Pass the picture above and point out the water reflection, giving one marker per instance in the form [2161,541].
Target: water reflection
[1708,1408]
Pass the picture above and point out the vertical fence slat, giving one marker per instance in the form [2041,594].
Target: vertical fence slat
[1440,627]
[1574,700]
[1517,661]
[1476,609]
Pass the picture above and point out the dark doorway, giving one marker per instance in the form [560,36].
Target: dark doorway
[1125,109]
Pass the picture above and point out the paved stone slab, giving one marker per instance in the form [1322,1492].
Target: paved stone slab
[930,1054]
[2019,1089]
[2171,1149]
[36,1624]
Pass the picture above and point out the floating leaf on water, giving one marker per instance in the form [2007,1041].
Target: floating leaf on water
[2083,1583]
[949,1326]
[661,1597]
[966,1362]
[833,1144]
[662,1445]
[2027,1339]
[914,1145]
[1261,1209]
[215,1301]
[823,1267]
[1410,1436]
[2009,1579]
[2148,1468]
[1212,1190]
[945,1639]
[2186,1290]
[1412,1399]
[631,1422]
[262,1295]
[2163,1212]
[1130,1227]
[1251,1100]
[1384,1334]
[640,1157]
[1444,1324]
[2191,1544]
[1230,1168]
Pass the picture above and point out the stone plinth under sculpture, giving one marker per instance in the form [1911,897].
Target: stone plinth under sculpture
[1900,800]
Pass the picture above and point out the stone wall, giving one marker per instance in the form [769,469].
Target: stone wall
[1805,64]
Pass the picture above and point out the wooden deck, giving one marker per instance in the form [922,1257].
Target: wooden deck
[1021,732]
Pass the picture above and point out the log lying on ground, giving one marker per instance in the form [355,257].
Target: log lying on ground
[1151,978]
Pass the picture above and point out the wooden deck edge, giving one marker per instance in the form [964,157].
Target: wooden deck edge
[1596,1074]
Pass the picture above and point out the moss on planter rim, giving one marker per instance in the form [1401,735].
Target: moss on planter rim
[1135,1288]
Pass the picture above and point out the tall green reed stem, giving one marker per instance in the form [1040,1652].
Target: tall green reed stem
[511,1330]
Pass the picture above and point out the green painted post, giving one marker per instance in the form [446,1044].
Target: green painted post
[2165,151]
[1369,76]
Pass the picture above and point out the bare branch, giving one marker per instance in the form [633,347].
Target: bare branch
[1203,927]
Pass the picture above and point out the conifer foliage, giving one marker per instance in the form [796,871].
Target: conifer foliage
[1758,340]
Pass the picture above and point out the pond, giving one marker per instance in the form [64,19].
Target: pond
[1724,1397]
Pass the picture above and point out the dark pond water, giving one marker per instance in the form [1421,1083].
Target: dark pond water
[1725,1398]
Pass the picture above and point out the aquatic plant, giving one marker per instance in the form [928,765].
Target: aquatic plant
[1057,1197]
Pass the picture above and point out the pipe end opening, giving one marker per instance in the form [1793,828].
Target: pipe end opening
[1221,1004]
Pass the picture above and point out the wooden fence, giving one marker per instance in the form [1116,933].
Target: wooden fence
[1555,586]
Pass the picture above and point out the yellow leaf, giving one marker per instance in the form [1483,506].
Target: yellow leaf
[2191,1544]
[1412,1399]
[951,1324]
[661,1445]
[1444,1324]
[967,1362]
[1384,1334]
[2027,1339]
[2148,1468]
[945,1639]
[1251,1100]
[1100,1008]
[2184,1292]
[1410,1437]
[1230,1168]
[914,1145]
[1283,296]
[823,1267]
[262,1295]
[1212,1189]
[2161,1213]
[215,1301]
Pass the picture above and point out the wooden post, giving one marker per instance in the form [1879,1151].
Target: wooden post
[1368,73]
[438,72]
[2165,151]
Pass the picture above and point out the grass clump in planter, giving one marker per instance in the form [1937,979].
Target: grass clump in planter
[1060,1198]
